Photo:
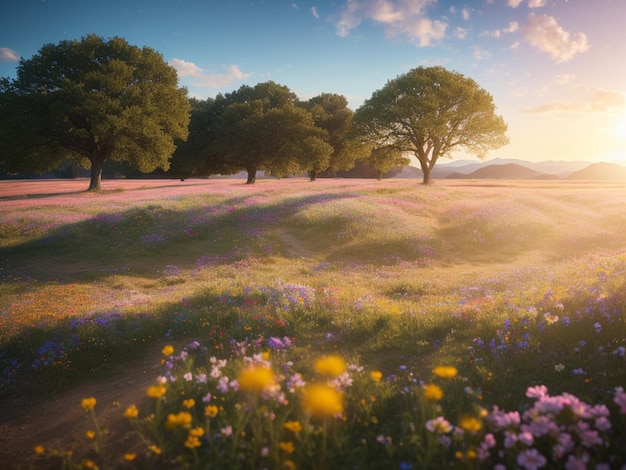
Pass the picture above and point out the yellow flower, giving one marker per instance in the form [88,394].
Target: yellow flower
[131,412]
[293,426]
[289,465]
[470,424]
[287,447]
[168,350]
[155,449]
[88,403]
[197,431]
[90,464]
[330,366]
[445,372]
[182,419]
[130,457]
[90,434]
[211,411]
[256,378]
[376,375]
[189,403]
[321,400]
[156,391]
[39,450]
[192,442]
[433,392]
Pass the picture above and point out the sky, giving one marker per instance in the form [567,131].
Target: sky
[555,68]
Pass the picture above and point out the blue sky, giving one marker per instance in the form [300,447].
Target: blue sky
[556,68]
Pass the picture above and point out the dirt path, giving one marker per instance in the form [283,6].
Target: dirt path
[59,422]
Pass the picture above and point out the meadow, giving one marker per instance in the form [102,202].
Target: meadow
[328,324]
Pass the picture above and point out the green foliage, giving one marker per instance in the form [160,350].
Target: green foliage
[92,100]
[429,112]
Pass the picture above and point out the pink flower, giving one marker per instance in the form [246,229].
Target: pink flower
[537,391]
[620,399]
[531,459]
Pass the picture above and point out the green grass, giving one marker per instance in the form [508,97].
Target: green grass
[391,275]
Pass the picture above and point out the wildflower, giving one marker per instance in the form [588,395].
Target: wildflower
[470,424]
[293,426]
[130,457]
[39,450]
[538,391]
[188,376]
[211,411]
[192,442]
[578,371]
[227,431]
[168,350]
[88,403]
[433,392]
[620,399]
[131,412]
[531,459]
[322,400]
[376,375]
[559,367]
[439,425]
[287,447]
[90,434]
[190,403]
[155,449]
[256,378]
[156,391]
[182,419]
[90,464]
[445,372]
[289,465]
[330,366]
[598,327]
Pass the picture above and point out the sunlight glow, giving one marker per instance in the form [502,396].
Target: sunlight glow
[620,129]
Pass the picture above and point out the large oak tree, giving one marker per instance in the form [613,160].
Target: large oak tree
[428,112]
[262,128]
[92,100]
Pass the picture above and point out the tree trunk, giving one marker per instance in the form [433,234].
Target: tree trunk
[251,175]
[427,175]
[312,175]
[96,174]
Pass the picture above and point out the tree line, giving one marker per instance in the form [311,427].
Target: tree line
[96,100]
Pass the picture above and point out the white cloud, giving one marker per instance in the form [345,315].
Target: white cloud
[8,55]
[399,17]
[598,100]
[496,33]
[315,13]
[480,54]
[217,80]
[544,33]
[536,3]
[466,14]
[514,3]
[564,79]
[460,32]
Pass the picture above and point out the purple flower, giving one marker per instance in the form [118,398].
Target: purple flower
[531,459]
[578,371]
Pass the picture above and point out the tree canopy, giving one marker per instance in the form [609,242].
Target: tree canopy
[428,112]
[92,100]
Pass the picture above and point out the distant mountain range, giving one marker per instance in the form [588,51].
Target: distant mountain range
[499,168]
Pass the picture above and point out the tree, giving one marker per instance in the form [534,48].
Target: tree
[331,113]
[92,100]
[383,159]
[429,112]
[262,128]
[196,156]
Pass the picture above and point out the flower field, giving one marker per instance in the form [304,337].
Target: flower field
[333,324]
